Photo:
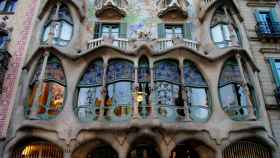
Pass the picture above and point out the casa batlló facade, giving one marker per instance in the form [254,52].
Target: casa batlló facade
[139,78]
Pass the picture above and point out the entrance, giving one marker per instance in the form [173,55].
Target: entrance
[144,151]
[104,151]
[183,151]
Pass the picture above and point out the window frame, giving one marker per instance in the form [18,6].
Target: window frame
[273,67]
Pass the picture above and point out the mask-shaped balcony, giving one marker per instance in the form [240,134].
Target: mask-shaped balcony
[169,7]
[111,8]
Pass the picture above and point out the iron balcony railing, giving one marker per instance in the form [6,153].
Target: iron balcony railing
[268,30]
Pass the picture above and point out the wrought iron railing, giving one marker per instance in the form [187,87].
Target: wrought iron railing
[268,30]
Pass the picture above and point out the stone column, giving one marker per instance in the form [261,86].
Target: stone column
[103,91]
[219,153]
[246,88]
[153,114]
[184,94]
[36,104]
[135,91]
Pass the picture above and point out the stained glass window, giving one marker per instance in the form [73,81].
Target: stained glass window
[144,86]
[197,92]
[167,87]
[63,26]
[89,92]
[233,94]
[46,99]
[119,98]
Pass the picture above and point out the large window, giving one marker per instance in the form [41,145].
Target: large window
[233,93]
[167,89]
[197,92]
[8,6]
[62,25]
[46,96]
[223,30]
[174,31]
[89,92]
[179,31]
[119,98]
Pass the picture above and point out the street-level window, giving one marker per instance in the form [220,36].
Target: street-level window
[8,6]
[4,38]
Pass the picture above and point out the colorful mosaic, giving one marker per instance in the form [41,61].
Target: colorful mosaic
[120,70]
[93,75]
[193,76]
[167,71]
[54,70]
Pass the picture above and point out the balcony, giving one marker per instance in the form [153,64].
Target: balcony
[173,6]
[157,45]
[268,30]
[117,7]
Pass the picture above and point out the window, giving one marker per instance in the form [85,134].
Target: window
[46,97]
[107,30]
[267,22]
[180,31]
[168,90]
[4,38]
[174,31]
[63,26]
[233,96]
[275,65]
[8,6]
[197,92]
[89,92]
[119,97]
[223,31]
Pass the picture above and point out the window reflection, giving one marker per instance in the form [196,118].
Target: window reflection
[232,91]
[63,26]
[48,100]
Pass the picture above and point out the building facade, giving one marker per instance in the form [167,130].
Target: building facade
[140,78]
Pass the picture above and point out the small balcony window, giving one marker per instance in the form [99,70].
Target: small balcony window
[8,6]
[107,30]
[174,31]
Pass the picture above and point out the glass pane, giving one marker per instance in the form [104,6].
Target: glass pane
[57,98]
[54,70]
[66,31]
[199,113]
[199,97]
[217,34]
[89,102]
[93,75]
[226,32]
[228,96]
[277,66]
[167,71]
[57,29]
[192,75]
[169,32]
[3,41]
[120,70]
[2,5]
[230,73]
[123,93]
[46,33]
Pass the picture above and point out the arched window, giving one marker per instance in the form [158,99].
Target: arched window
[197,92]
[89,92]
[233,93]
[119,98]
[168,94]
[144,80]
[46,96]
[38,149]
[223,30]
[62,24]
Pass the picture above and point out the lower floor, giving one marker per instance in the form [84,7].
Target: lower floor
[139,143]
